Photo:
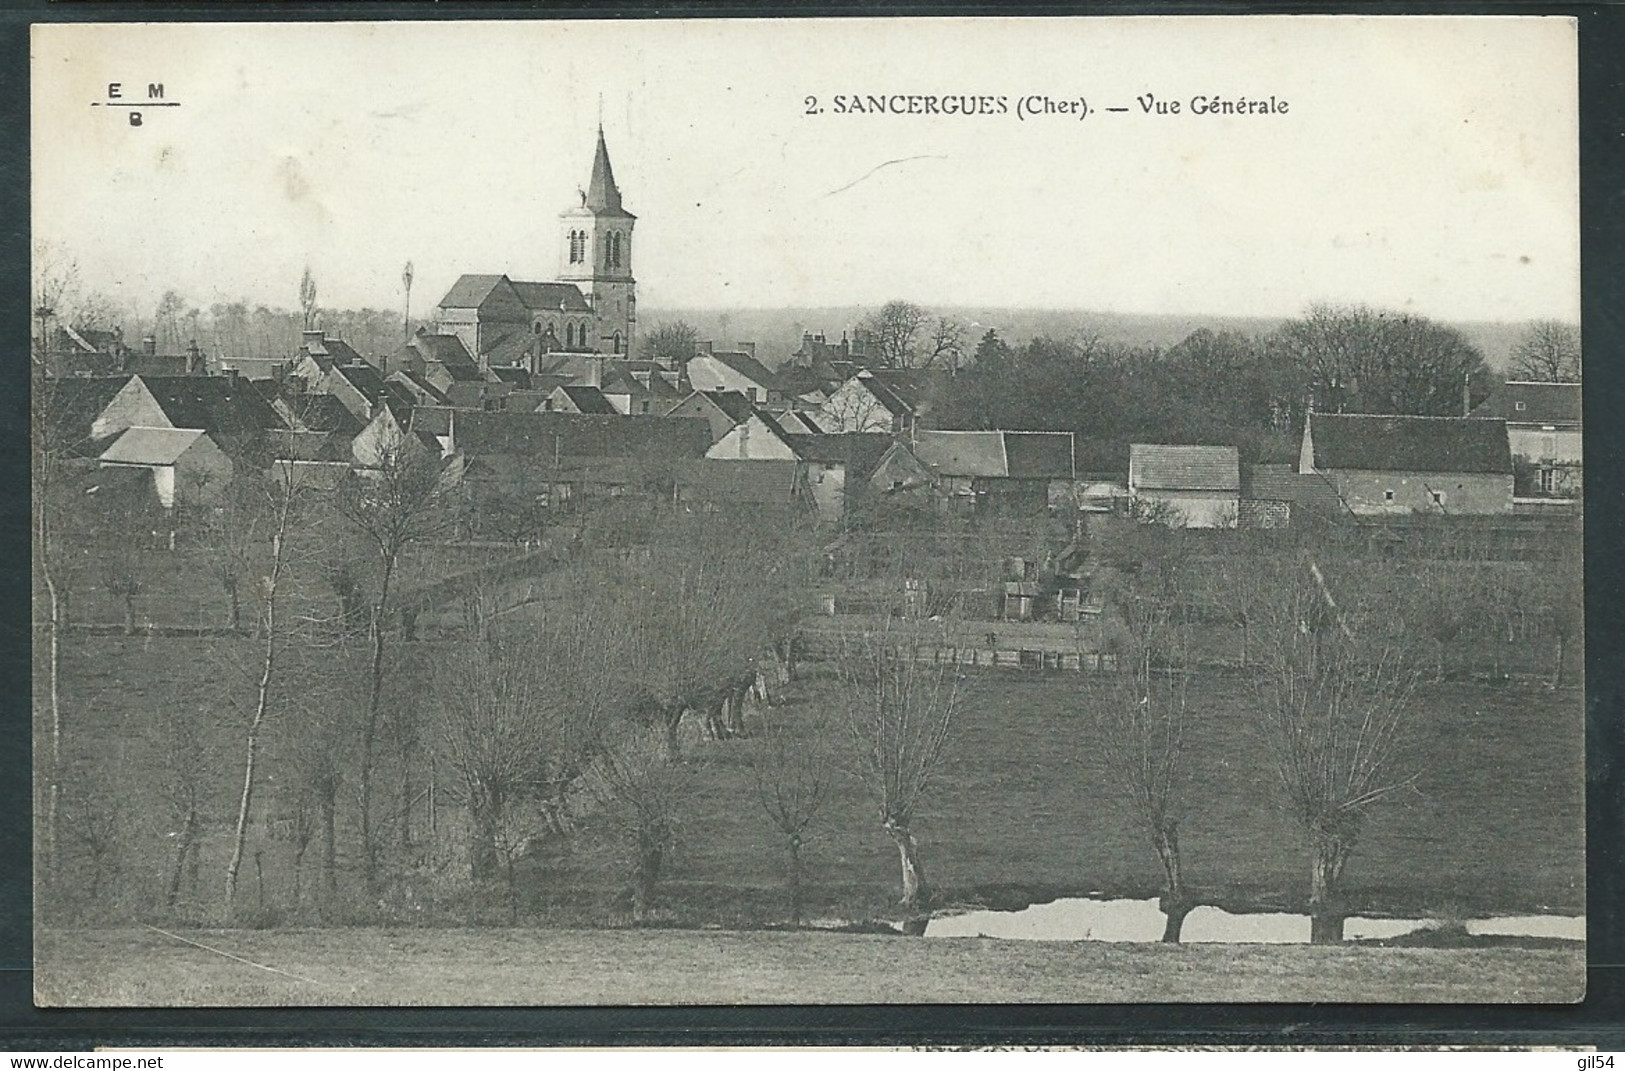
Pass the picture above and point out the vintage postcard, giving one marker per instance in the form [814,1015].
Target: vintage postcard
[824,511]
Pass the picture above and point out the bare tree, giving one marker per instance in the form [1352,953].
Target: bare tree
[284,503]
[403,500]
[1335,698]
[900,715]
[893,333]
[646,789]
[1144,736]
[670,343]
[793,768]
[1547,352]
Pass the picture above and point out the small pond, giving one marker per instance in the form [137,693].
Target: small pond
[1085,919]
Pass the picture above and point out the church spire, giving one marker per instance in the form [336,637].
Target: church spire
[602,193]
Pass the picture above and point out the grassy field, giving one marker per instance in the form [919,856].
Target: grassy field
[136,967]
[1025,809]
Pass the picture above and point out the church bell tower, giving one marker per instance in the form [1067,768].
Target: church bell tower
[597,256]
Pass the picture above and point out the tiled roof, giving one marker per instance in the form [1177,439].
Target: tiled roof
[542,435]
[364,378]
[745,365]
[1409,443]
[419,386]
[323,412]
[1183,468]
[1534,403]
[470,291]
[1039,455]
[858,451]
[733,404]
[962,453]
[151,446]
[71,406]
[213,403]
[447,349]
[730,482]
[550,297]
[1283,483]
[589,400]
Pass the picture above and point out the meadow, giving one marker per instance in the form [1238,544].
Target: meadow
[1025,809]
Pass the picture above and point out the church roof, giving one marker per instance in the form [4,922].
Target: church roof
[550,297]
[470,291]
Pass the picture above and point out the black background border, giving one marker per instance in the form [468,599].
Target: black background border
[1599,1020]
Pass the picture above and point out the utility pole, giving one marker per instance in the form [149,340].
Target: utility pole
[406,281]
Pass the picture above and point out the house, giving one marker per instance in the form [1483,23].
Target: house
[1189,486]
[437,360]
[391,433]
[749,486]
[982,471]
[1403,464]
[318,427]
[723,410]
[640,388]
[1277,495]
[756,438]
[186,466]
[579,399]
[224,406]
[1544,432]
[867,402]
[71,410]
[555,457]
[83,352]
[736,370]
[836,466]
[317,355]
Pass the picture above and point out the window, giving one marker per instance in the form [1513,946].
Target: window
[1388,495]
[1519,406]
[536,328]
[1546,480]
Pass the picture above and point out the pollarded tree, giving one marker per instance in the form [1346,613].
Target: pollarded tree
[793,769]
[1548,352]
[900,712]
[1144,735]
[1335,699]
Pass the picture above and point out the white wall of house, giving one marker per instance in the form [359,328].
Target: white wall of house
[853,407]
[707,373]
[751,441]
[132,407]
[1197,509]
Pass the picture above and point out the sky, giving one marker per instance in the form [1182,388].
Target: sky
[1428,164]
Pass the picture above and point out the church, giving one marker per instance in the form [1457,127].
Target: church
[590,308]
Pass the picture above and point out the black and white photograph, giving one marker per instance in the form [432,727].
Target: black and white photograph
[807,511]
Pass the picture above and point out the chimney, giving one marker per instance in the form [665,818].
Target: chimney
[149,346]
[313,337]
[594,375]
[194,358]
[703,349]
[744,439]
[1466,394]
[747,348]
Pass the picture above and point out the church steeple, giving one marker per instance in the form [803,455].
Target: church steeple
[597,256]
[603,196]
